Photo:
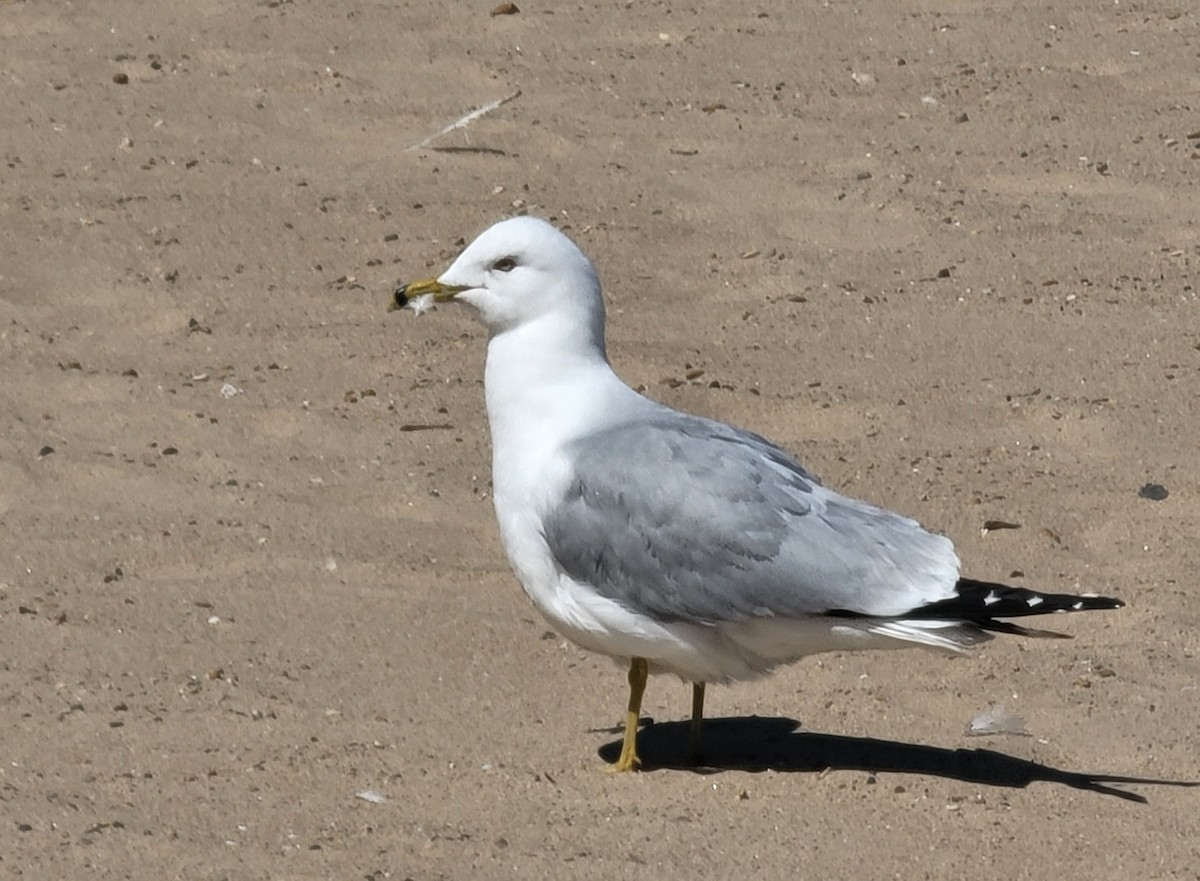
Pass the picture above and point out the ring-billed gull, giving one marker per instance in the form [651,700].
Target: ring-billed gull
[672,542]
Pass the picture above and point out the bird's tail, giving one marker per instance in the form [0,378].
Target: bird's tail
[977,609]
[983,602]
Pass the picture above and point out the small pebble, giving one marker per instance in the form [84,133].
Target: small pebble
[1155,492]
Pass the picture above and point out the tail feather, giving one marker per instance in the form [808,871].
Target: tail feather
[995,626]
[977,609]
[982,602]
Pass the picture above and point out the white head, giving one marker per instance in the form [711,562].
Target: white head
[519,271]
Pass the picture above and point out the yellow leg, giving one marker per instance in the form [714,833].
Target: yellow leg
[638,671]
[697,719]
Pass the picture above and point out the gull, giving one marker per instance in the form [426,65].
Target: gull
[678,544]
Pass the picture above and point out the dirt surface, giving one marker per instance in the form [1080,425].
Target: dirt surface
[248,567]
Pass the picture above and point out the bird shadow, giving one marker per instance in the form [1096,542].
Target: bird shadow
[758,744]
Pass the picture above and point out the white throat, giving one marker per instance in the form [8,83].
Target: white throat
[534,382]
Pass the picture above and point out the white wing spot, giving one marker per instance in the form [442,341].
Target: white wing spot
[1034,601]
[1077,605]
[991,598]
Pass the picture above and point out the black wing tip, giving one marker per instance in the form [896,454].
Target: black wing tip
[985,601]
[1086,603]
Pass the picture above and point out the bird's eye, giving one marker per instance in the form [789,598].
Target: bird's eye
[505,264]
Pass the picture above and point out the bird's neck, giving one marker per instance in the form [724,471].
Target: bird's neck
[547,380]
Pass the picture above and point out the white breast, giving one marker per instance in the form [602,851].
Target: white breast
[540,398]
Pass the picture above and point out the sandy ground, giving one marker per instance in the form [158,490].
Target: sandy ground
[945,253]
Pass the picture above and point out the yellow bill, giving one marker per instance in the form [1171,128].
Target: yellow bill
[441,293]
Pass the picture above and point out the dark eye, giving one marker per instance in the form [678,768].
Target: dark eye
[505,264]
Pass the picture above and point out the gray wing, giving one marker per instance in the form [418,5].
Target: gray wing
[685,519]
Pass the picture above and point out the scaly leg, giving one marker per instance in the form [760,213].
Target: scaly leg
[697,720]
[628,760]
